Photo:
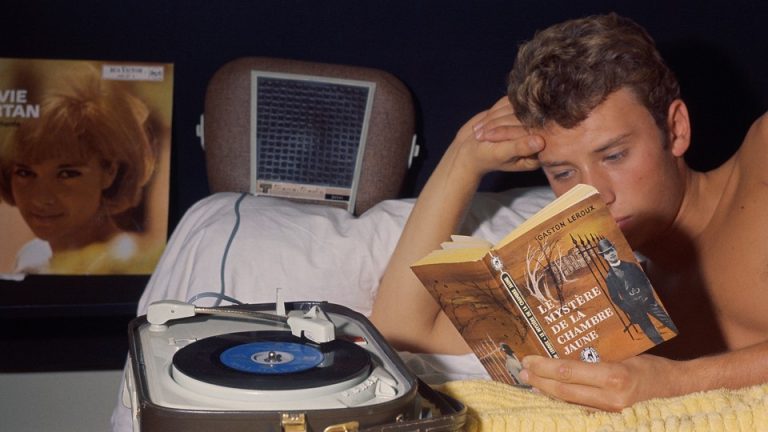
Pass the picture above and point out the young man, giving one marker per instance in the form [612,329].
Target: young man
[591,101]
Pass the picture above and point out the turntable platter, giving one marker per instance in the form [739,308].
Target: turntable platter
[270,360]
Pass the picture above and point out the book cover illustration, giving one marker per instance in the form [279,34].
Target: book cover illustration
[565,284]
[84,164]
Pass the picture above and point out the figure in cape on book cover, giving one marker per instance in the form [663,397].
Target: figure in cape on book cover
[565,284]
[84,165]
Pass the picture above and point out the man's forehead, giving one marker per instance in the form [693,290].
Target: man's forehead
[560,143]
[556,149]
[615,107]
[588,137]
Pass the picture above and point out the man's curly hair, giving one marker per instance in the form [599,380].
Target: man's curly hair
[568,69]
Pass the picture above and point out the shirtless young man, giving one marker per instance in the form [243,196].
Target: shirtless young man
[592,102]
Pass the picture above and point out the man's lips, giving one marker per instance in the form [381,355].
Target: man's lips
[623,221]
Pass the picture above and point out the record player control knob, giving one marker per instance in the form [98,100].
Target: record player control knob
[379,384]
[386,386]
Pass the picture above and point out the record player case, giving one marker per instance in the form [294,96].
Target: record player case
[161,404]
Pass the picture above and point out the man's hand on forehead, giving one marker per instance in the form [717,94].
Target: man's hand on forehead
[500,124]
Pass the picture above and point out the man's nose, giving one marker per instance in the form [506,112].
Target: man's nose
[602,183]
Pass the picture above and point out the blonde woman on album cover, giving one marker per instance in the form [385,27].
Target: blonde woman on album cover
[77,176]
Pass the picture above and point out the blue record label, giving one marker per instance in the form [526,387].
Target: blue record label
[271,357]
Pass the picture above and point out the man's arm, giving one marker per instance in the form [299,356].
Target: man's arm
[613,386]
[404,311]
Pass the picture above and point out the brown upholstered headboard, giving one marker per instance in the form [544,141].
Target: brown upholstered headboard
[226,131]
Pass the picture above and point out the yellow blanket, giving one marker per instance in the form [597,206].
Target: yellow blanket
[492,406]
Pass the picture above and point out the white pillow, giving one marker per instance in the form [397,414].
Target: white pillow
[309,252]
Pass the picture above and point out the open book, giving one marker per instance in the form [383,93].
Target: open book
[564,283]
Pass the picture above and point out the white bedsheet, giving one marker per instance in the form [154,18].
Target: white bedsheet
[310,252]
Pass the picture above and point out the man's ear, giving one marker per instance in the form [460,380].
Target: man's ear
[678,127]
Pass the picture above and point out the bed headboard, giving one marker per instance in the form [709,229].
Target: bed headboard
[332,134]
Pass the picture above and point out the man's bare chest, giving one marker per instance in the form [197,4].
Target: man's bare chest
[730,267]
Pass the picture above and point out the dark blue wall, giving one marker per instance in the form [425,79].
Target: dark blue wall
[453,56]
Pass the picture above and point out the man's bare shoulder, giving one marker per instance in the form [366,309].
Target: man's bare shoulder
[743,179]
[752,156]
[744,198]
[733,259]
[748,192]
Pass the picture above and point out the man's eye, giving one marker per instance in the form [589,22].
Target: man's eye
[562,175]
[612,157]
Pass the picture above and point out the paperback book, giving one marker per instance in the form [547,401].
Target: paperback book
[564,284]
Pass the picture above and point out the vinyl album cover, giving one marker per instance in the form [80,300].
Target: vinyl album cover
[84,164]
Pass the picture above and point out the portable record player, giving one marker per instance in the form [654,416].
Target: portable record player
[300,366]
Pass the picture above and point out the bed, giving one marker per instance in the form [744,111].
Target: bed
[246,247]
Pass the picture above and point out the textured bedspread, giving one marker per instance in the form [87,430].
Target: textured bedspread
[498,407]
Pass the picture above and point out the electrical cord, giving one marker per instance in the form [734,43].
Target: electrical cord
[219,296]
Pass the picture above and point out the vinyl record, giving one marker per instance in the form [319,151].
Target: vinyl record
[272,357]
[271,360]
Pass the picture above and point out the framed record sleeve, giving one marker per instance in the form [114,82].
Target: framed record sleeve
[84,182]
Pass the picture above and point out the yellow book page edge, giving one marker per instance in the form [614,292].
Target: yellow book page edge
[467,248]
[463,241]
[452,255]
[574,195]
